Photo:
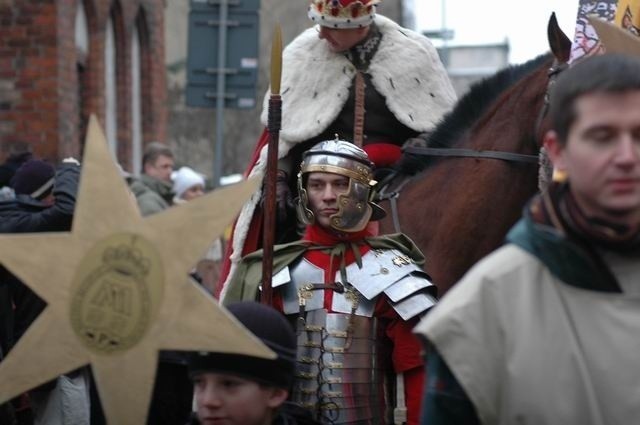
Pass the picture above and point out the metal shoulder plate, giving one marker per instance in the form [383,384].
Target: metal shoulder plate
[396,275]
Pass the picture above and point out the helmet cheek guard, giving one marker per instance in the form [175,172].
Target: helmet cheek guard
[354,211]
[305,215]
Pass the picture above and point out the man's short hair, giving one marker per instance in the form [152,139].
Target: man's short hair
[154,150]
[610,73]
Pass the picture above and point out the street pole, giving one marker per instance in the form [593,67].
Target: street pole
[443,26]
[220,96]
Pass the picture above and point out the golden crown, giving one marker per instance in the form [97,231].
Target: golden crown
[126,260]
[343,13]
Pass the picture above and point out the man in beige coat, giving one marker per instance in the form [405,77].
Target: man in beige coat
[545,330]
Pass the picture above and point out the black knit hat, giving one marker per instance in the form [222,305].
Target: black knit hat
[10,166]
[273,330]
[34,178]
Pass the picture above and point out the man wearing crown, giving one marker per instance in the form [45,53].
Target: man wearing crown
[355,74]
[353,297]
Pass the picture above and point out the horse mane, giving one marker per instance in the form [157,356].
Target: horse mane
[467,111]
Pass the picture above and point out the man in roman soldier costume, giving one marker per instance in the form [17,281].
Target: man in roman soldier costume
[355,74]
[353,297]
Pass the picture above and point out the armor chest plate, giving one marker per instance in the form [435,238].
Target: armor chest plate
[292,279]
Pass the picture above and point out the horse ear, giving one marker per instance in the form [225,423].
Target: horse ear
[558,41]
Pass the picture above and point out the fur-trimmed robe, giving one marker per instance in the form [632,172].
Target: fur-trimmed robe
[406,70]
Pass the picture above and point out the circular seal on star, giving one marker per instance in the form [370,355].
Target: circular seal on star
[116,293]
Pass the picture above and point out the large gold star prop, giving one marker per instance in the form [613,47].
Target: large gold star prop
[117,290]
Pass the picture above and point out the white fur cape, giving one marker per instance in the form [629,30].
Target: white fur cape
[406,70]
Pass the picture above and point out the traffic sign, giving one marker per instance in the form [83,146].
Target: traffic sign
[240,66]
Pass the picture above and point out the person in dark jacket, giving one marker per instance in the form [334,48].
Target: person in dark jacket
[44,202]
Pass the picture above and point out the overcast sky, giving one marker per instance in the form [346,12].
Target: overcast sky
[523,23]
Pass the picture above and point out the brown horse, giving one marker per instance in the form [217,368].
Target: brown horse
[458,209]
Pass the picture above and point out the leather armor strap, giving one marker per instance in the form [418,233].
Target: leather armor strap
[358,121]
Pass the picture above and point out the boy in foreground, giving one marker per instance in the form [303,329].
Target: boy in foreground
[243,390]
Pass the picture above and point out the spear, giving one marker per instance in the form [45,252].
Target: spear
[273,126]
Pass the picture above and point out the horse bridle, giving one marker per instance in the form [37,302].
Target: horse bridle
[552,74]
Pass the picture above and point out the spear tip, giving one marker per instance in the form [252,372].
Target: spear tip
[276,60]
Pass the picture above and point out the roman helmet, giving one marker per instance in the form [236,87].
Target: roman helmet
[355,208]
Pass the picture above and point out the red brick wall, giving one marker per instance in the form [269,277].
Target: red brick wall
[28,76]
[39,95]
[66,114]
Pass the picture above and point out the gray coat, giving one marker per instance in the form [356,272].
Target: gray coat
[153,195]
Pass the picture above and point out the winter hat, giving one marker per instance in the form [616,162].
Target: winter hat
[34,178]
[273,330]
[343,13]
[185,178]
[11,165]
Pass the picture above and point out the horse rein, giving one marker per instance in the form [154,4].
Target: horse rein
[470,153]
[393,196]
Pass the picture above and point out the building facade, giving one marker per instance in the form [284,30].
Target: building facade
[62,61]
[467,65]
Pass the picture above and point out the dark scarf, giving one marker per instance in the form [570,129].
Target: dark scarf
[558,208]
[362,53]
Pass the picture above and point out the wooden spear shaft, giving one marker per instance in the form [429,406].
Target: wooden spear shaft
[273,125]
